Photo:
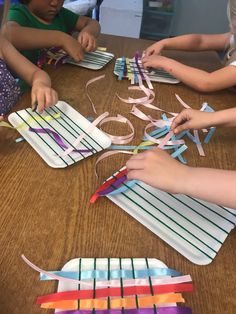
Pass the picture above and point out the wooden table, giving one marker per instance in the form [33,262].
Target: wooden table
[46,214]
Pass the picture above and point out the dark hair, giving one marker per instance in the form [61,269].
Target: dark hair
[24,1]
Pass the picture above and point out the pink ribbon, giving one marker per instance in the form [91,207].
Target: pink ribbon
[124,139]
[86,89]
[87,131]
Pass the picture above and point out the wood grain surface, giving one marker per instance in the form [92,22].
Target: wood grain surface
[45,213]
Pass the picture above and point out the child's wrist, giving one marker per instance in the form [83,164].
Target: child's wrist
[215,118]
[183,179]
[61,39]
[43,81]
[167,64]
[164,43]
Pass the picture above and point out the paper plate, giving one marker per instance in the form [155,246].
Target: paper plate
[195,228]
[68,126]
[102,264]
[93,60]
[154,75]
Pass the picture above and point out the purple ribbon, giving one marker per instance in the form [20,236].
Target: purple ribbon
[114,185]
[61,60]
[158,310]
[57,138]
[137,58]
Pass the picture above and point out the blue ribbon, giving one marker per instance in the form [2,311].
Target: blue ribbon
[123,188]
[113,274]
[209,135]
[121,72]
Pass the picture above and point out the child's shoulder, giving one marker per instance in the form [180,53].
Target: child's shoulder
[18,8]
[19,13]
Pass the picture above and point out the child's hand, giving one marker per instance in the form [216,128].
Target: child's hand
[72,47]
[158,169]
[154,61]
[87,41]
[43,95]
[154,49]
[191,119]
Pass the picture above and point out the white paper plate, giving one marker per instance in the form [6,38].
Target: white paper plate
[155,75]
[102,264]
[69,126]
[93,60]
[195,228]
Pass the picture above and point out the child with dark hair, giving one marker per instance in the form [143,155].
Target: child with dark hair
[36,24]
[10,58]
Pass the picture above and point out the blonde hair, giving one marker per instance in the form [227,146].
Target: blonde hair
[231,12]
[5,11]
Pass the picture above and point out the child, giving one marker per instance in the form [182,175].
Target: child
[158,169]
[42,94]
[196,78]
[36,24]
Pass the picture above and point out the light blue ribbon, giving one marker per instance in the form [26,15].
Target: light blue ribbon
[179,151]
[113,274]
[121,72]
[209,135]
[131,147]
[123,188]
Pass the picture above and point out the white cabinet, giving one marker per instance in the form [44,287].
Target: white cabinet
[121,17]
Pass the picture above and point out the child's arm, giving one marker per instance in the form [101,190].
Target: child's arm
[195,119]
[192,42]
[42,93]
[195,78]
[89,30]
[160,170]
[26,38]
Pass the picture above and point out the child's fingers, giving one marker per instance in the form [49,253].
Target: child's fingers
[91,45]
[75,50]
[33,101]
[181,128]
[146,63]
[41,99]
[80,40]
[138,156]
[135,175]
[149,52]
[54,97]
[48,99]
[136,164]
[180,121]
